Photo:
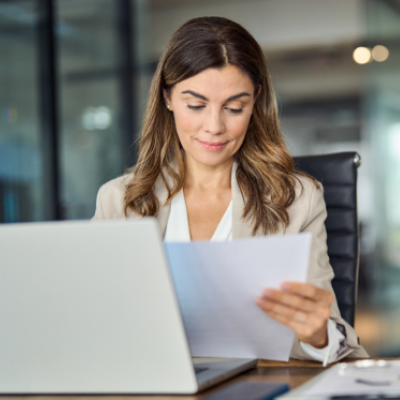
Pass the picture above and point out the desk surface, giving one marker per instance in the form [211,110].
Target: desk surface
[293,373]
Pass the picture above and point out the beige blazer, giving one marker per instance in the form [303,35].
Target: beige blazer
[307,214]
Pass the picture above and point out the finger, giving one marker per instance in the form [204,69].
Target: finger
[300,303]
[304,332]
[309,290]
[270,306]
[316,319]
[293,300]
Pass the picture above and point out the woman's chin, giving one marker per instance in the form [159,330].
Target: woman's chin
[213,160]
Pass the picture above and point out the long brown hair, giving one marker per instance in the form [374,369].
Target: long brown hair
[265,174]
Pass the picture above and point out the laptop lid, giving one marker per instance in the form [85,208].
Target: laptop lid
[89,308]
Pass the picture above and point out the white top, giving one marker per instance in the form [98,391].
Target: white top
[178,231]
[178,226]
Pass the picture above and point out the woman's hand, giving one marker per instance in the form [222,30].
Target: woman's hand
[302,307]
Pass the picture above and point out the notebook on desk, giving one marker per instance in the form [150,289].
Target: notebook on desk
[91,308]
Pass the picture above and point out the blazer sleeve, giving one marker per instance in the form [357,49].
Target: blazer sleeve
[99,213]
[320,274]
[110,200]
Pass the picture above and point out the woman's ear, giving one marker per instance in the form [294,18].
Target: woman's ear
[167,99]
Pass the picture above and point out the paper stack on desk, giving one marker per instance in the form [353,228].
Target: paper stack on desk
[217,283]
[361,378]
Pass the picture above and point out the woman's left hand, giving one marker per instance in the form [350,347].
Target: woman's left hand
[302,307]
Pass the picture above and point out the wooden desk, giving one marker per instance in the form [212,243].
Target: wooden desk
[293,373]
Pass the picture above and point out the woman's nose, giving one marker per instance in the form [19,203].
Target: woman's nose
[214,123]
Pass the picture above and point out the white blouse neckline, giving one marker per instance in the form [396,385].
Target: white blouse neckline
[178,226]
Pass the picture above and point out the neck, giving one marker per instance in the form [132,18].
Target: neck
[204,177]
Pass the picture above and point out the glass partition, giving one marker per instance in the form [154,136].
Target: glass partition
[91,136]
[74,83]
[22,197]
[101,85]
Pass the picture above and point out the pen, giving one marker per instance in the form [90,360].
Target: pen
[373,383]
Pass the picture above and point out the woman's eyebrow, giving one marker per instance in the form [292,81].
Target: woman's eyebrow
[195,94]
[200,96]
[236,96]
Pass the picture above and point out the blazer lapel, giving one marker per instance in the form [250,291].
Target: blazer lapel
[161,193]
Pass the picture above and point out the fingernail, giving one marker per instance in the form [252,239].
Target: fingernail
[285,286]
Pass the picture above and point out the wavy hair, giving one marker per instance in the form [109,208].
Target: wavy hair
[266,174]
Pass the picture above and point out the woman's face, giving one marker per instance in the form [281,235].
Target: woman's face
[212,111]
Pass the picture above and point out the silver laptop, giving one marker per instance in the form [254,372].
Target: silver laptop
[91,308]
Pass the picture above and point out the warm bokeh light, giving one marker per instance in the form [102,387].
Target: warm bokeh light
[380,53]
[362,55]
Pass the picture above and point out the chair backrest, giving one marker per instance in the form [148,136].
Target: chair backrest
[338,174]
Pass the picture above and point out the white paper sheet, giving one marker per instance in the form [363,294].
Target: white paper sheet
[346,379]
[217,283]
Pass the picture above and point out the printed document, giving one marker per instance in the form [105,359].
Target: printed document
[217,283]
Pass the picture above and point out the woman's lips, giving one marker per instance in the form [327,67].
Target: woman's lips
[212,146]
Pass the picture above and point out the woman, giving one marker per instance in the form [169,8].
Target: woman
[213,166]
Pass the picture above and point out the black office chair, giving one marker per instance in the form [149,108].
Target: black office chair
[338,174]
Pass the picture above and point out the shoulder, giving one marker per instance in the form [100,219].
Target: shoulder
[308,203]
[115,187]
[308,190]
[110,198]
[306,187]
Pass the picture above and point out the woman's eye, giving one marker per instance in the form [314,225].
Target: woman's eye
[195,108]
[235,110]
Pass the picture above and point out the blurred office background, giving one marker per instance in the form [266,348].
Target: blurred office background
[74,76]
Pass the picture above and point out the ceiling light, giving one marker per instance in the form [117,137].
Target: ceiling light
[380,53]
[362,55]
